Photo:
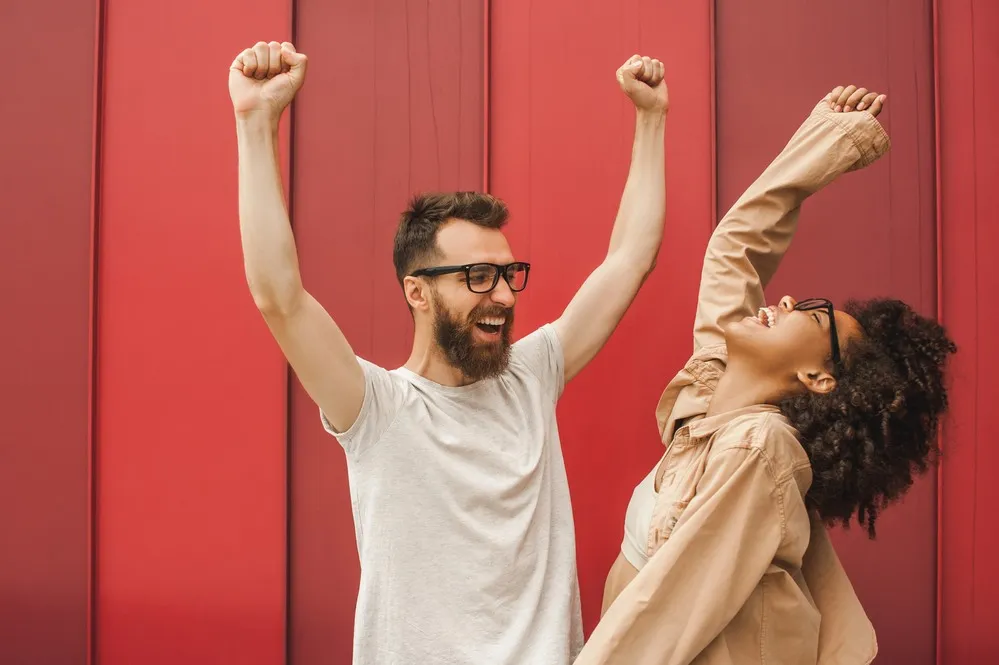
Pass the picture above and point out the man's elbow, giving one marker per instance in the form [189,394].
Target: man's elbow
[276,300]
[630,272]
[645,266]
[652,264]
[645,274]
[641,262]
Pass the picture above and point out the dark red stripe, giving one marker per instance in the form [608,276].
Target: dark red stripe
[45,237]
[95,210]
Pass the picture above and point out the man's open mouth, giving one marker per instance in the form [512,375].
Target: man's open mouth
[491,324]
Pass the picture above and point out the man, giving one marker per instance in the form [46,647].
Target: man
[461,506]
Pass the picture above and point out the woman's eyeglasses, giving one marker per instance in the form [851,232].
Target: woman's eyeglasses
[812,304]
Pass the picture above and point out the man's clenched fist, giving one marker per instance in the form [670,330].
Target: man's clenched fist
[265,78]
[642,79]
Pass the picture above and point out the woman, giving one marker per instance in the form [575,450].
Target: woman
[785,419]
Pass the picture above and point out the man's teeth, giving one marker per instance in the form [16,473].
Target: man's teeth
[493,321]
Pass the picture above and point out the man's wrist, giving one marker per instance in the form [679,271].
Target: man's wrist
[257,123]
[650,117]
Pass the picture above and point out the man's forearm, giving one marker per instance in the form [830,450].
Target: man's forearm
[597,308]
[638,229]
[269,254]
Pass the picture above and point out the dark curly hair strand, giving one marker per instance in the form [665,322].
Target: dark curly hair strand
[877,430]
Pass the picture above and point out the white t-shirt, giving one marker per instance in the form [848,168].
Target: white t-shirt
[462,516]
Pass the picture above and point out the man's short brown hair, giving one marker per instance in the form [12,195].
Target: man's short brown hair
[416,238]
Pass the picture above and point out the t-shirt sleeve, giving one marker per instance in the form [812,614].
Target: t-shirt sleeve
[381,404]
[541,352]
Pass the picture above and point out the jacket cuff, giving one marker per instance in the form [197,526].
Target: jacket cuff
[863,130]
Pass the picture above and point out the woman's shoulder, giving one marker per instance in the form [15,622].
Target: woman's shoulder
[765,431]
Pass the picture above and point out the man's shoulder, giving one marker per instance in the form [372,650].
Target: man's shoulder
[380,375]
[540,351]
[543,334]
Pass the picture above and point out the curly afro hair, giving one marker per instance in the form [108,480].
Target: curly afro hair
[870,437]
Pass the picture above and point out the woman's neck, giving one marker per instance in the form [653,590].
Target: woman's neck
[740,386]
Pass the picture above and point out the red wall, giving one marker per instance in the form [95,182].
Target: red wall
[968,68]
[222,528]
[190,458]
[870,234]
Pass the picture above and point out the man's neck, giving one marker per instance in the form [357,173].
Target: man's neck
[427,360]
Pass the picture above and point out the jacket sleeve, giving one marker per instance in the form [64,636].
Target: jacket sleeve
[749,242]
[693,586]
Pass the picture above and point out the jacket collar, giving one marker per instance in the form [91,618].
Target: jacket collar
[707,426]
[701,373]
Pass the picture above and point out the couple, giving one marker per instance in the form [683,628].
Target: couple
[786,417]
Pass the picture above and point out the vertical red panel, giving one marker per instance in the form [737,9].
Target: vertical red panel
[872,234]
[968,68]
[392,106]
[46,205]
[192,392]
[561,134]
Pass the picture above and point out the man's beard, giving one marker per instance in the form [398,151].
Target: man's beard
[476,360]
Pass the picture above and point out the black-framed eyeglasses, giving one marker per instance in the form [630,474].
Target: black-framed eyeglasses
[826,305]
[483,277]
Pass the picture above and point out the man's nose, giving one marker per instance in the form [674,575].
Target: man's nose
[502,294]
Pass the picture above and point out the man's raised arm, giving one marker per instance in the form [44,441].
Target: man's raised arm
[605,296]
[262,82]
[840,135]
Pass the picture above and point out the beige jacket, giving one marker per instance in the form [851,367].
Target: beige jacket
[739,571]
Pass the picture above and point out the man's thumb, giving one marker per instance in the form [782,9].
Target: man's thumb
[629,71]
[294,59]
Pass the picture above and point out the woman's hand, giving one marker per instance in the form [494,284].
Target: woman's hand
[851,98]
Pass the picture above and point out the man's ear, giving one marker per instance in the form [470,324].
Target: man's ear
[818,381]
[417,293]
